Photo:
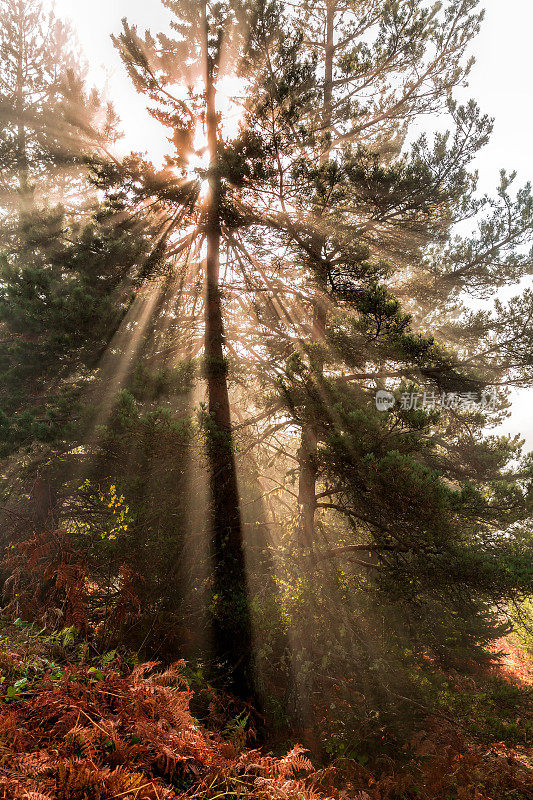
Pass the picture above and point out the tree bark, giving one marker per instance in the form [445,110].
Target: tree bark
[21,143]
[308,452]
[232,630]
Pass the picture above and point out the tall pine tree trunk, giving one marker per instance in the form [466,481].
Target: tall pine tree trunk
[308,452]
[21,142]
[232,632]
[25,189]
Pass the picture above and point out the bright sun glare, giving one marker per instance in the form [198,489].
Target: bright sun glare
[198,162]
[231,110]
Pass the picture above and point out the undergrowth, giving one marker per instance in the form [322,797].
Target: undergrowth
[79,725]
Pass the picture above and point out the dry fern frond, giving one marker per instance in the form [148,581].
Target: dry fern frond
[133,737]
[36,796]
[140,671]
[35,765]
[173,676]
[76,781]
[294,762]
[121,783]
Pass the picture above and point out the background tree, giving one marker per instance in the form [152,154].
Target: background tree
[378,216]
[48,118]
[68,275]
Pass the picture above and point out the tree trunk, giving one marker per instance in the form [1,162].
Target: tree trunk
[232,630]
[308,452]
[21,139]
[307,459]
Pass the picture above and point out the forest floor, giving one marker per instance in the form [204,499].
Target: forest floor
[78,727]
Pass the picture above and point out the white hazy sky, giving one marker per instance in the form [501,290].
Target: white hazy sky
[501,82]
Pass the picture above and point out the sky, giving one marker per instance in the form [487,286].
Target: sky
[501,82]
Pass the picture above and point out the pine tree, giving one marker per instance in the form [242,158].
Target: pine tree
[195,62]
[317,172]
[67,272]
[58,267]
[402,71]
[380,219]
[49,120]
